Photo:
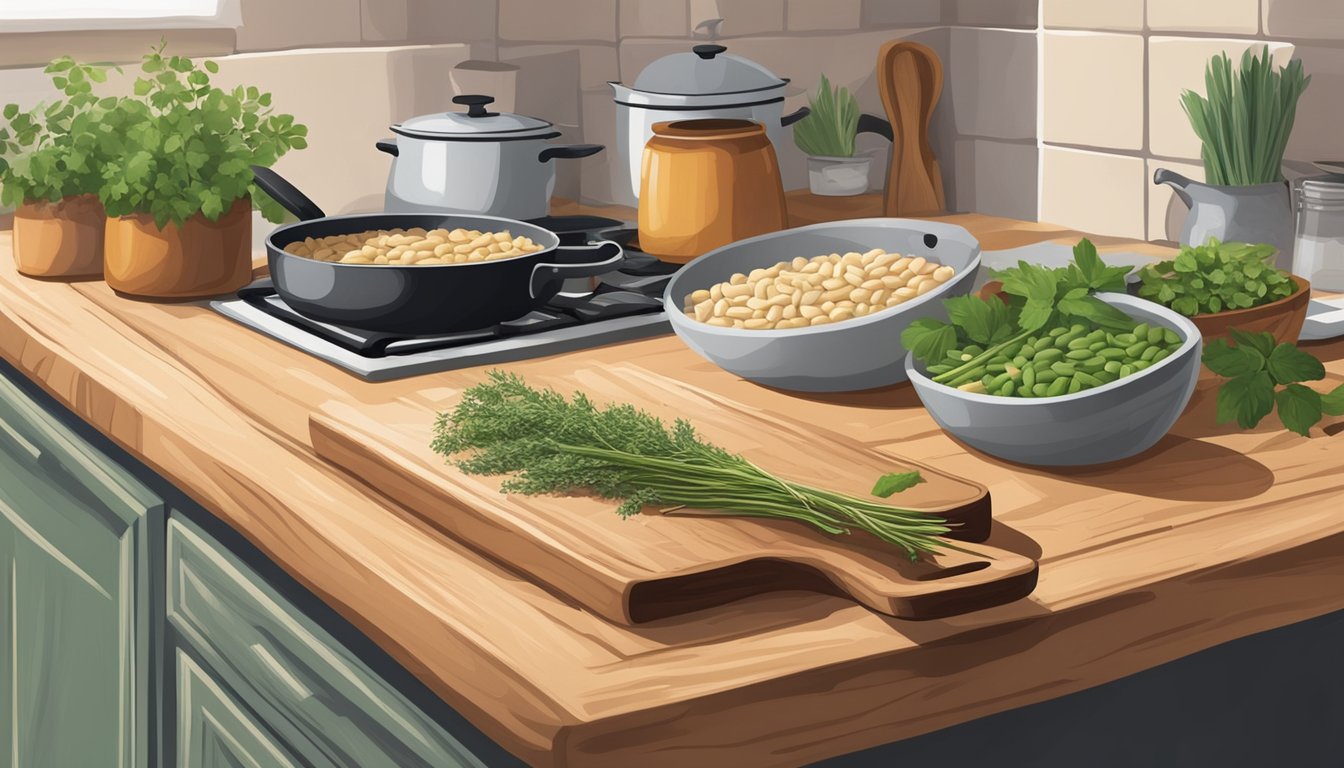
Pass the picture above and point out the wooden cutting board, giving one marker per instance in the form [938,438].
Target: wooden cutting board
[652,565]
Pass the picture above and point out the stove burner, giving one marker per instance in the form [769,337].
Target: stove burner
[627,304]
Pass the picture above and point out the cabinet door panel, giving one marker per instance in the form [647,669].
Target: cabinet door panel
[76,663]
[213,730]
[324,704]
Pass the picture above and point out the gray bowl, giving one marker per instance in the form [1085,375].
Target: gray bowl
[862,353]
[1106,423]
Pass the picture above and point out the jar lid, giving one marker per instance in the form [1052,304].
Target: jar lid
[1328,188]
[705,70]
[476,123]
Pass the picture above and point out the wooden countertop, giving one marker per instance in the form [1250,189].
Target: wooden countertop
[1212,535]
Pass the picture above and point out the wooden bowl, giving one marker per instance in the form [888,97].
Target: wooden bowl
[1282,318]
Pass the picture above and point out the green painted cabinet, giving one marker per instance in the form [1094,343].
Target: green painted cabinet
[81,550]
[214,731]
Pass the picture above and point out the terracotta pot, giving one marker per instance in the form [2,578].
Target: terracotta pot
[62,239]
[1283,318]
[707,183]
[198,259]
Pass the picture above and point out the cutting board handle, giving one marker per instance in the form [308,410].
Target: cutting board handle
[910,80]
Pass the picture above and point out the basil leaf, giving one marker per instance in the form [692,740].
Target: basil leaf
[1029,281]
[1289,365]
[929,340]
[1299,407]
[1246,399]
[1035,315]
[984,321]
[1332,402]
[895,482]
[1229,361]
[1097,311]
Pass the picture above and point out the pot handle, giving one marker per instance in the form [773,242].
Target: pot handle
[795,116]
[286,194]
[387,145]
[874,124]
[570,151]
[599,258]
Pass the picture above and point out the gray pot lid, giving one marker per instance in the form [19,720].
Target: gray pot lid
[476,123]
[705,70]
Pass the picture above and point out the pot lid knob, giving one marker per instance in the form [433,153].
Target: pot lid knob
[475,104]
[708,51]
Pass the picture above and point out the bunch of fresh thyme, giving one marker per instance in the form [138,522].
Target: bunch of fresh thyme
[548,444]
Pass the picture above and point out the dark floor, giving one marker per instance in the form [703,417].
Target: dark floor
[1272,700]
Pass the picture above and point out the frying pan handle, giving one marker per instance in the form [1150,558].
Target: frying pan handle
[286,194]
[599,258]
[874,124]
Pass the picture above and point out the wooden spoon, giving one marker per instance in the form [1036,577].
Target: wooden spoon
[910,79]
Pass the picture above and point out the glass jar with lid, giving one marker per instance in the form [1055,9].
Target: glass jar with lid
[1318,254]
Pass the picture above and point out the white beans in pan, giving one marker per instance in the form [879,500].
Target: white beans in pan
[816,291]
[401,247]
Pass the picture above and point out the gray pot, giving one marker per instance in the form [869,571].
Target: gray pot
[475,162]
[1260,213]
[705,82]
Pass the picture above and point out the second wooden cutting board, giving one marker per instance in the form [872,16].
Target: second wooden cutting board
[652,566]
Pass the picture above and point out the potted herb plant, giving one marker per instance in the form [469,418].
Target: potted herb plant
[1243,121]
[827,136]
[50,162]
[1220,286]
[179,192]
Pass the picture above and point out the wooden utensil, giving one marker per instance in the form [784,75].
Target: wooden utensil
[652,566]
[910,79]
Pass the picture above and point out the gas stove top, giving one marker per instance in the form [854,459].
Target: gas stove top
[623,306]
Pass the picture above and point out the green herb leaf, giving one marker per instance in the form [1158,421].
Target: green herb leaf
[1229,361]
[895,482]
[1299,407]
[1288,365]
[1097,312]
[1261,341]
[929,340]
[1246,399]
[1333,401]
[984,321]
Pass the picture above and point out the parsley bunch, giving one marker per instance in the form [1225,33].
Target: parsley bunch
[185,146]
[548,444]
[1216,277]
[1261,375]
[1038,298]
[56,149]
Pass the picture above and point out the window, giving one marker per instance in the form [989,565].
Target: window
[47,15]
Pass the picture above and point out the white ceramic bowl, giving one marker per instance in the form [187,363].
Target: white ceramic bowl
[1106,423]
[862,353]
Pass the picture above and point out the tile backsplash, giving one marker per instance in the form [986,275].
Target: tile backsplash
[1079,99]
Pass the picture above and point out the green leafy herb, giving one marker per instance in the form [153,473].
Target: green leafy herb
[56,149]
[1262,374]
[895,482]
[829,129]
[1216,277]
[1038,299]
[1246,117]
[547,444]
[185,146]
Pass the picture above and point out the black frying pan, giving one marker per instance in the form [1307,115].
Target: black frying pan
[434,298]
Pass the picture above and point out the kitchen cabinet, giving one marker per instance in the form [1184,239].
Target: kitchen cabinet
[80,547]
[319,699]
[213,730]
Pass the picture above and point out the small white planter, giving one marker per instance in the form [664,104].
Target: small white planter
[838,176]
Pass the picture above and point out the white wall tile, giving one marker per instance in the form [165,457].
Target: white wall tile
[1093,89]
[270,25]
[1121,15]
[655,18]
[810,15]
[997,178]
[549,20]
[1313,19]
[1005,58]
[1239,17]
[1318,131]
[1093,192]
[994,13]
[740,17]
[901,13]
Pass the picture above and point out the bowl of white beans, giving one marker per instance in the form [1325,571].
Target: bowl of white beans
[820,308]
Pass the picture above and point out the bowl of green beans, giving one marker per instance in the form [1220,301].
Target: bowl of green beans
[1072,395]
